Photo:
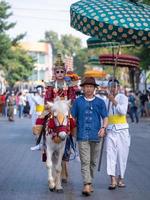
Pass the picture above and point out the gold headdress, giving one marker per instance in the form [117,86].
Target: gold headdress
[59,64]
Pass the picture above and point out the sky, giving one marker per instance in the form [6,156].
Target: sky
[37,16]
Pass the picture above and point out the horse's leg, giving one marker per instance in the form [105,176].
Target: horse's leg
[66,156]
[49,163]
[59,187]
[64,171]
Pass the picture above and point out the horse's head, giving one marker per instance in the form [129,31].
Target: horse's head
[60,111]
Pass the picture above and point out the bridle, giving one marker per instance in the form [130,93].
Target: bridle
[54,129]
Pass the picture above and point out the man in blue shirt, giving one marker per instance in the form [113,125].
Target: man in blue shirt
[91,117]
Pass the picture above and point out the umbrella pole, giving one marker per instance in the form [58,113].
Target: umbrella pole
[116,60]
[113,53]
[101,152]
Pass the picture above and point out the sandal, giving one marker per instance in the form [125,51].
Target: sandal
[112,186]
[86,190]
[121,184]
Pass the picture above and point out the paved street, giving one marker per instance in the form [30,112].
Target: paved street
[24,177]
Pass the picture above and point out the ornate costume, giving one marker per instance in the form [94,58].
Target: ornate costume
[67,91]
[64,91]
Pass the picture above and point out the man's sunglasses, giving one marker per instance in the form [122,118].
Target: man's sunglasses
[60,72]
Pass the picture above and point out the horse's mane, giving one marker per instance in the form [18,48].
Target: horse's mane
[60,105]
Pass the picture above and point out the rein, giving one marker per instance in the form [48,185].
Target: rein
[61,128]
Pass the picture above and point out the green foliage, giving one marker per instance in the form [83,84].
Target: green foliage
[18,67]
[71,44]
[80,61]
[4,15]
[146,2]
[5,45]
[52,38]
[15,41]
[66,45]
[144,55]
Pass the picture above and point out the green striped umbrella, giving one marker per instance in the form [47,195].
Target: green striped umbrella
[96,43]
[126,22]
[94,60]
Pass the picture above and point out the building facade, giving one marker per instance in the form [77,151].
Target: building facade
[42,53]
[69,63]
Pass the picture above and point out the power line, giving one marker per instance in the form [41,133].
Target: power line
[41,18]
[39,9]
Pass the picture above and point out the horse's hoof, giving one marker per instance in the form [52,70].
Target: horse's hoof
[59,190]
[52,189]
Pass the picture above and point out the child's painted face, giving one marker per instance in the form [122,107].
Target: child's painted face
[59,74]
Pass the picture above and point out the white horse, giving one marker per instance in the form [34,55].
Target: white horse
[57,128]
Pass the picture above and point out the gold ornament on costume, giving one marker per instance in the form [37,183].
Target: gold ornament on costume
[59,64]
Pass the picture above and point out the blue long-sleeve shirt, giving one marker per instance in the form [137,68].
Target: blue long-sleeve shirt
[88,115]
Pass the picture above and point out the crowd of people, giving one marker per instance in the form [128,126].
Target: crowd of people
[14,103]
[139,105]
[17,103]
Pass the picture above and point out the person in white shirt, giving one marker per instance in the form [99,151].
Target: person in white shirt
[118,137]
[21,104]
[36,109]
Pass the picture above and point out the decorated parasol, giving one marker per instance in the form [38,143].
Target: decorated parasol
[93,43]
[122,60]
[95,73]
[122,21]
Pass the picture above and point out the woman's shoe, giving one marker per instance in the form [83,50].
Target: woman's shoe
[112,186]
[121,185]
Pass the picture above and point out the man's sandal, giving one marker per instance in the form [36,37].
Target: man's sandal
[86,190]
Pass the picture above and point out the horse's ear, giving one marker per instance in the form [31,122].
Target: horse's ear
[57,98]
[50,104]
